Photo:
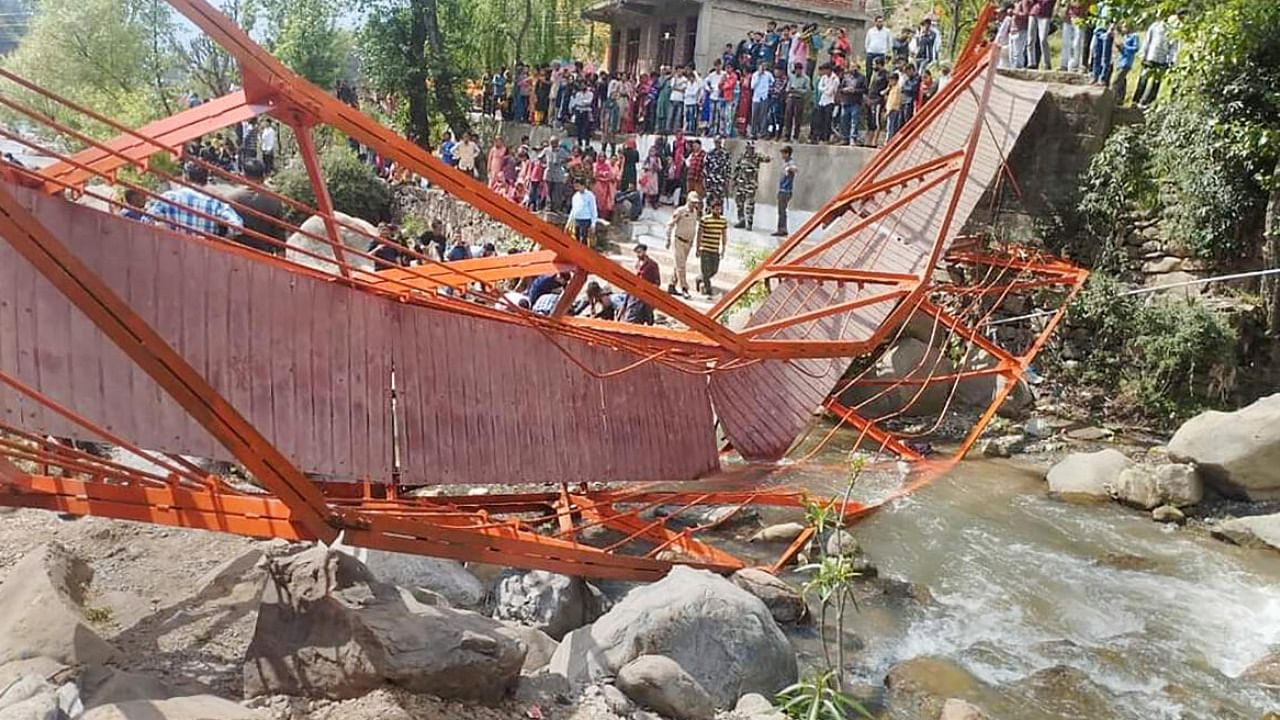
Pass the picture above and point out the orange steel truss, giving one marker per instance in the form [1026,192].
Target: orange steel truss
[635,532]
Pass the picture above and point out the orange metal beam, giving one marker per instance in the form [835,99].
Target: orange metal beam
[461,272]
[870,277]
[173,132]
[113,316]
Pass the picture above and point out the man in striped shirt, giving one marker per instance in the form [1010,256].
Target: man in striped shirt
[713,229]
[191,210]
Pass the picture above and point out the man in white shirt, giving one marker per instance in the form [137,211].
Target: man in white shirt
[583,213]
[878,43]
[761,84]
[466,152]
[828,84]
[1159,55]
[679,84]
[267,143]
[711,89]
[691,102]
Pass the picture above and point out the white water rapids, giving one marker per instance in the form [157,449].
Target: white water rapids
[1162,620]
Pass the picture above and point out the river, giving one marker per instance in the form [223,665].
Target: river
[1161,620]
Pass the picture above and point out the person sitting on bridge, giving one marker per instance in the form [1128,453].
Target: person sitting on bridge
[388,249]
[636,310]
[545,284]
[598,303]
[186,208]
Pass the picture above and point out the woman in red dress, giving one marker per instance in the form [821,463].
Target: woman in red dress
[602,185]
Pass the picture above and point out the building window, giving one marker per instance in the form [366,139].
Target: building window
[633,49]
[667,44]
[690,38]
[615,51]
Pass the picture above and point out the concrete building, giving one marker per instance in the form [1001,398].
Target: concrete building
[647,34]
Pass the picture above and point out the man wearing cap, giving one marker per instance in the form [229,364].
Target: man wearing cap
[193,210]
[716,173]
[682,230]
[637,311]
[746,178]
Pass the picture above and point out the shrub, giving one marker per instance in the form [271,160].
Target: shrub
[353,186]
[1169,359]
[1178,166]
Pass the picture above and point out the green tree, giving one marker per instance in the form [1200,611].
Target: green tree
[110,55]
[304,35]
[406,53]
[212,70]
[1229,71]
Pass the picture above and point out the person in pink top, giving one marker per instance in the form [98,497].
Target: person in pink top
[497,158]
[602,185]
[800,48]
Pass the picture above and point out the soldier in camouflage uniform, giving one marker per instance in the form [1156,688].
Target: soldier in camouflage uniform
[716,174]
[746,178]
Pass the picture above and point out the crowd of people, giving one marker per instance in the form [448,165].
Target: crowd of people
[1095,41]
[617,177]
[790,83]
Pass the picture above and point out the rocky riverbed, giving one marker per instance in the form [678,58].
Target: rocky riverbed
[989,593]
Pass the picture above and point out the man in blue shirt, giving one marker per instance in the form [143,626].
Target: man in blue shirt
[546,284]
[446,149]
[1129,45]
[583,212]
[191,210]
[786,185]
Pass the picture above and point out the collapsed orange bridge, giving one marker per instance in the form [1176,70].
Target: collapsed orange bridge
[339,387]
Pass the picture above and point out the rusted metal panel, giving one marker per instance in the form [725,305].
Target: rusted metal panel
[490,402]
[242,324]
[763,407]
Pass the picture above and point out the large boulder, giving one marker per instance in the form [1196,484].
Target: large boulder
[723,636]
[921,687]
[555,604]
[785,603]
[1252,531]
[907,359]
[539,646]
[31,690]
[1145,487]
[327,627]
[308,251]
[957,709]
[1265,671]
[660,683]
[447,578]
[1238,452]
[43,599]
[980,391]
[1089,476]
[1069,692]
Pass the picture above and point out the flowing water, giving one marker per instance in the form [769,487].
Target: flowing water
[1161,620]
